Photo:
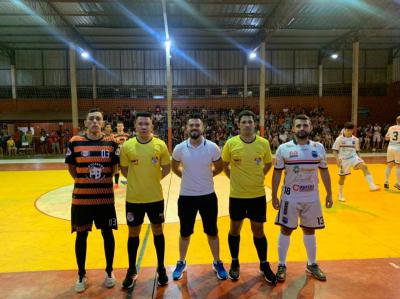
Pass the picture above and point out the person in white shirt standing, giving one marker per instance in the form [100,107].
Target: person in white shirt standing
[300,159]
[192,161]
[393,153]
[345,150]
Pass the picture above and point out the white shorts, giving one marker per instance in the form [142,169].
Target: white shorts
[393,154]
[310,214]
[376,138]
[348,164]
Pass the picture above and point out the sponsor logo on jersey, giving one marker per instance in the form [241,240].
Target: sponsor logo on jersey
[303,188]
[285,220]
[96,171]
[293,154]
[307,169]
[85,153]
[296,169]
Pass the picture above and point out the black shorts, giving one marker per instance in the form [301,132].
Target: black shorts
[253,208]
[135,212]
[207,205]
[82,217]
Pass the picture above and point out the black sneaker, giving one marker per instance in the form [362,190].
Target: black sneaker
[234,271]
[315,271]
[386,185]
[269,276]
[281,273]
[129,280]
[162,276]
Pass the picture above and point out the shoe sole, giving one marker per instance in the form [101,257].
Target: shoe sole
[219,277]
[232,278]
[270,282]
[132,284]
[161,285]
[280,279]
[316,277]
[180,277]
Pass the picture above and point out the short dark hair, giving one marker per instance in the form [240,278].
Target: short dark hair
[398,120]
[194,115]
[143,114]
[349,125]
[246,113]
[301,117]
[93,110]
[107,124]
[120,122]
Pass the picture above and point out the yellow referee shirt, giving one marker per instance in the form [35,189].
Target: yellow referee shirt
[247,162]
[144,162]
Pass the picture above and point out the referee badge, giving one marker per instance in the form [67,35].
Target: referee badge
[130,217]
[154,160]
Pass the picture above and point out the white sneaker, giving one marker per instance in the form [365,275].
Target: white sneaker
[341,198]
[109,282]
[80,285]
[375,188]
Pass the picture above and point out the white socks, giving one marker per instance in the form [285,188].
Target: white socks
[387,172]
[341,191]
[283,246]
[311,246]
[370,181]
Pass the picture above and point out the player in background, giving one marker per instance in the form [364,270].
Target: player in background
[393,153]
[345,150]
[120,137]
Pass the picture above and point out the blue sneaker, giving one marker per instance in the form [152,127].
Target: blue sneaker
[220,270]
[179,269]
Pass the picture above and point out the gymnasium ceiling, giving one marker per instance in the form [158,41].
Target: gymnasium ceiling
[199,24]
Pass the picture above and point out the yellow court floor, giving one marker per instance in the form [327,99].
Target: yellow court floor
[364,227]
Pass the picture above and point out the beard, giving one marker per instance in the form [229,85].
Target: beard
[302,134]
[194,134]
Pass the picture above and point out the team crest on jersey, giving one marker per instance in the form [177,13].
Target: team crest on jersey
[69,153]
[85,153]
[293,154]
[154,160]
[258,160]
[354,142]
[96,171]
[314,154]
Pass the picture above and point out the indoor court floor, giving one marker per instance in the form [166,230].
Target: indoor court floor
[359,249]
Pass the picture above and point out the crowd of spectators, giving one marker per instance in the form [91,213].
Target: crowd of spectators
[219,124]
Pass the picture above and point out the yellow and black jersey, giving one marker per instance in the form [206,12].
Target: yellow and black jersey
[94,161]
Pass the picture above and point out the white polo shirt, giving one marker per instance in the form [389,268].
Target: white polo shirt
[197,176]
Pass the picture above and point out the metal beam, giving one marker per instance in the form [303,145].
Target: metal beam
[230,2]
[282,15]
[49,13]
[118,14]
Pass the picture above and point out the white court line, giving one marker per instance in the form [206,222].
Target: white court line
[394,265]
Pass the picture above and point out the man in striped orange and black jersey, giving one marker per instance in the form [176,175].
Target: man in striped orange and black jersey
[120,137]
[92,160]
